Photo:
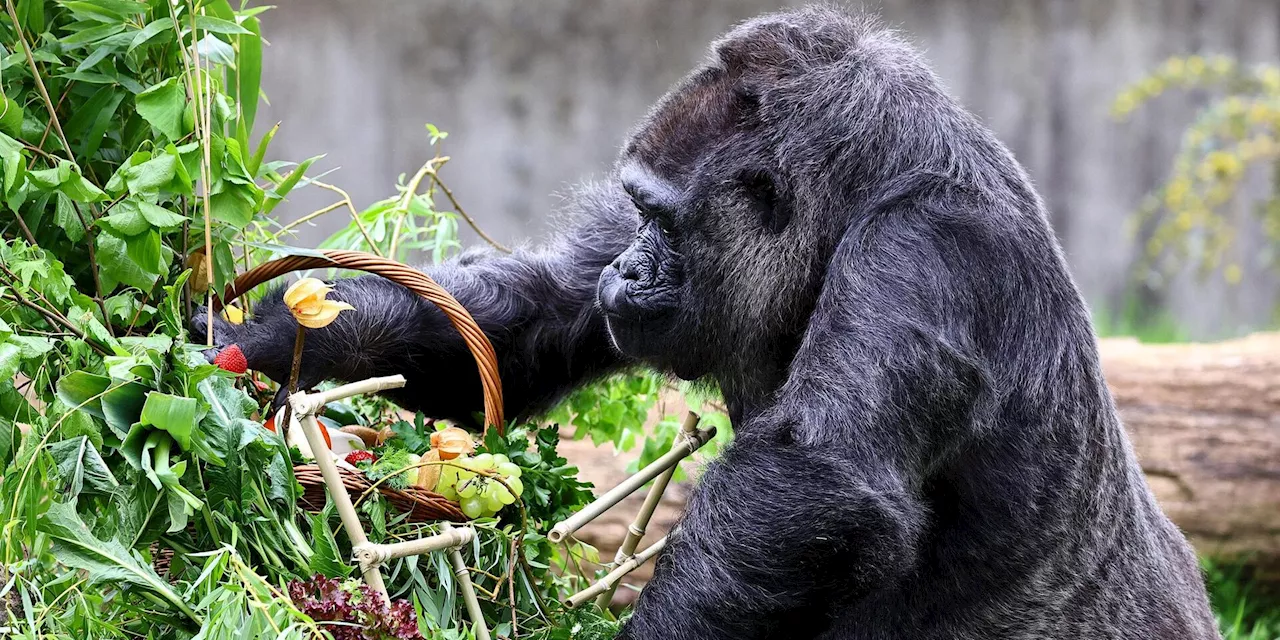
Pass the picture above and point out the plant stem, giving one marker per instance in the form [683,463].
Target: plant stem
[406,199]
[355,215]
[93,267]
[26,231]
[292,386]
[311,216]
[58,319]
[35,74]
[203,107]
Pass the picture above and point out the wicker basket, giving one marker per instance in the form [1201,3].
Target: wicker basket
[420,504]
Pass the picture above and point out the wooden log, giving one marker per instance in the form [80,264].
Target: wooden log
[1205,423]
[1204,419]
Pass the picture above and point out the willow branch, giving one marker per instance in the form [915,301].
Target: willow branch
[435,177]
[355,215]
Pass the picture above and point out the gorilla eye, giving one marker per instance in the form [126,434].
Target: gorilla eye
[666,227]
[762,195]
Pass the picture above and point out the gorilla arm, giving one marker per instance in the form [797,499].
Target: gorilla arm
[816,503]
[536,306]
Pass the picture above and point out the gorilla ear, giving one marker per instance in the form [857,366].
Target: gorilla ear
[773,212]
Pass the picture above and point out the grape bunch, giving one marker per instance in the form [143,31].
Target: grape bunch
[474,487]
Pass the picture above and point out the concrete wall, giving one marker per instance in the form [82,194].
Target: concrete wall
[537,94]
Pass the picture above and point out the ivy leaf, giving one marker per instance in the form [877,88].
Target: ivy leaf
[162,105]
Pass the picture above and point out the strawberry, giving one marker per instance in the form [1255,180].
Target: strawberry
[356,457]
[231,359]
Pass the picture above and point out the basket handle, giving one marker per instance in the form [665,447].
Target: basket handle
[413,280]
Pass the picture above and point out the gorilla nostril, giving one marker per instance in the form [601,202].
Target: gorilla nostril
[628,271]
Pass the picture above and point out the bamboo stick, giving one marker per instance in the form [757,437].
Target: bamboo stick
[303,408]
[635,532]
[381,553]
[611,580]
[468,590]
[679,451]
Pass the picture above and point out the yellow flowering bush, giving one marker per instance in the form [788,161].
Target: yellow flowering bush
[1238,130]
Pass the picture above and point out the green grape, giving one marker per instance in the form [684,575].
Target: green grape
[509,470]
[472,507]
[469,488]
[483,461]
[448,492]
[499,459]
[516,486]
[504,496]
[493,503]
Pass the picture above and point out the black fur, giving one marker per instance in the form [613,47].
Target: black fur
[926,447]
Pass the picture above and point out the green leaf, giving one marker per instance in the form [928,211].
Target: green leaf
[174,414]
[10,359]
[249,74]
[151,176]
[153,29]
[80,465]
[261,152]
[126,219]
[234,206]
[214,51]
[218,25]
[327,560]
[11,117]
[160,217]
[162,105]
[104,561]
[111,11]
[102,116]
[14,164]
[145,250]
[275,196]
[66,217]
[119,404]
[115,265]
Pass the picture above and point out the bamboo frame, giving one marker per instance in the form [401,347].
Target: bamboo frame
[691,439]
[368,555]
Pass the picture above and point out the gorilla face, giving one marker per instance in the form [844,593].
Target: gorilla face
[642,292]
[724,268]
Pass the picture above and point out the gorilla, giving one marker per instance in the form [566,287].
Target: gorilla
[925,446]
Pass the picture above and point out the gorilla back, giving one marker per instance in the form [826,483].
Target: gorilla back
[925,448]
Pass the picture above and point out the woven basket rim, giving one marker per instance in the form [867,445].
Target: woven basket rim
[416,281]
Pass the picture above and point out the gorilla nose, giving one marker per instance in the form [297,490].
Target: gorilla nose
[627,269]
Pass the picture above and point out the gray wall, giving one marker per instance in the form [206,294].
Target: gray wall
[537,94]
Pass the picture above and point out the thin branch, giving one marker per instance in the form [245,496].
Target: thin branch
[406,200]
[93,268]
[58,320]
[35,73]
[311,216]
[457,207]
[26,231]
[355,215]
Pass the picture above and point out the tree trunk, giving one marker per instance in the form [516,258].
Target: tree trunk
[1204,420]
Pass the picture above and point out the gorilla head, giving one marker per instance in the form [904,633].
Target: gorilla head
[745,176]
